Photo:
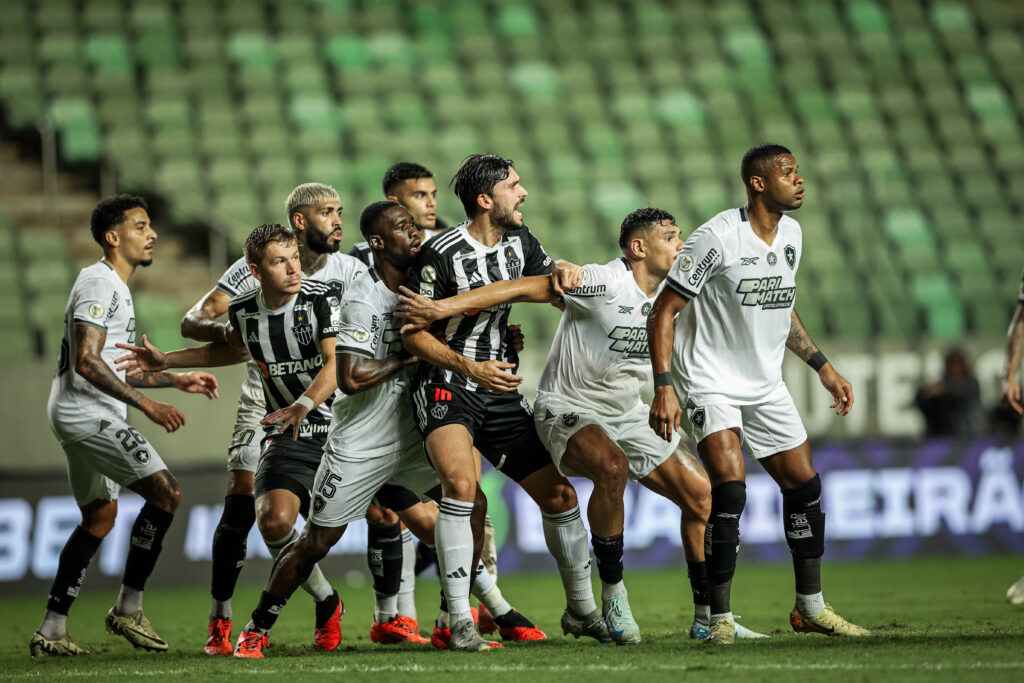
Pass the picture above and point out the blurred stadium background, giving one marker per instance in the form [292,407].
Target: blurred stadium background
[905,116]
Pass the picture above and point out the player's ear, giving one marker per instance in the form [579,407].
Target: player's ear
[255,270]
[111,237]
[393,198]
[638,247]
[299,220]
[375,242]
[757,184]
[485,201]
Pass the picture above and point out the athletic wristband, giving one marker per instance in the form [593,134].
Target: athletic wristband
[662,379]
[305,401]
[817,361]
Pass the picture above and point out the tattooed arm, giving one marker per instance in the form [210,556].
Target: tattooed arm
[90,365]
[200,322]
[800,343]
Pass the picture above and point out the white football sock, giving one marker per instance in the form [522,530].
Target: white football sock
[385,608]
[53,626]
[316,585]
[407,589]
[486,590]
[716,617]
[221,609]
[610,590]
[129,601]
[702,613]
[809,605]
[567,541]
[453,536]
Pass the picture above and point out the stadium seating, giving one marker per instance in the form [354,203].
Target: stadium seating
[905,117]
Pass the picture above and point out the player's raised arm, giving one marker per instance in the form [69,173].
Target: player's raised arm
[200,322]
[800,343]
[148,358]
[665,410]
[90,365]
[488,374]
[419,312]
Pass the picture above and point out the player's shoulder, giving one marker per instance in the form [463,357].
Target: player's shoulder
[726,223]
[99,273]
[345,264]
[789,224]
[448,242]
[243,300]
[313,288]
[612,271]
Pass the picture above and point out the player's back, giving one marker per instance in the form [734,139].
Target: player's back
[599,357]
[99,298]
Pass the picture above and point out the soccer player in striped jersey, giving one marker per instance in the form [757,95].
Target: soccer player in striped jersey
[1012,397]
[87,411]
[717,335]
[464,393]
[287,326]
[314,212]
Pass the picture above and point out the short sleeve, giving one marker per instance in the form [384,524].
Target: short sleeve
[94,302]
[233,318]
[237,279]
[430,277]
[699,260]
[359,329]
[328,313]
[597,289]
[537,260]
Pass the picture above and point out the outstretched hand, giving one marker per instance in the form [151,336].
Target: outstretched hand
[416,310]
[565,277]
[196,383]
[840,389]
[145,358]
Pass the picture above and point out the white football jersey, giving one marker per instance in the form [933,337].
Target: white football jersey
[380,419]
[599,357]
[100,299]
[339,271]
[730,339]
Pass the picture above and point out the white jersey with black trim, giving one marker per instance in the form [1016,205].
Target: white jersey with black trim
[730,339]
[338,271]
[599,357]
[380,419]
[101,299]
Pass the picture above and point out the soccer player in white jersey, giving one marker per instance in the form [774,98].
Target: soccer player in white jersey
[1012,397]
[717,335]
[87,411]
[314,212]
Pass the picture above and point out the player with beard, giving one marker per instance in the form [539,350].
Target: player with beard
[465,395]
[717,333]
[314,212]
[87,411]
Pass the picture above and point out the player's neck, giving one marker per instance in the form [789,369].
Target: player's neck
[483,231]
[311,261]
[123,268]
[393,277]
[763,221]
[274,299]
[647,281]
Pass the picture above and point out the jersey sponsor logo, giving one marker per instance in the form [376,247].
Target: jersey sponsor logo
[439,411]
[766,292]
[96,309]
[686,263]
[427,290]
[442,394]
[302,329]
[589,290]
[702,268]
[625,310]
[748,260]
[631,342]
[290,367]
[569,420]
[235,278]
[790,253]
[772,258]
[513,263]
[428,274]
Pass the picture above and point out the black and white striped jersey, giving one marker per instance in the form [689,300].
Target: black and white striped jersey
[285,344]
[455,262]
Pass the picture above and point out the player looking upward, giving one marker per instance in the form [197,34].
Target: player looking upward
[87,411]
[717,336]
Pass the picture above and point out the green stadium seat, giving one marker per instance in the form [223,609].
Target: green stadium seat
[535,79]
[949,17]
[348,52]
[517,20]
[108,52]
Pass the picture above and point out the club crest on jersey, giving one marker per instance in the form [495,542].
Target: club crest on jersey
[428,274]
[319,503]
[302,329]
[512,263]
[698,418]
[569,420]
[772,258]
[790,253]
[685,263]
[645,310]
[142,455]
[439,411]
[96,309]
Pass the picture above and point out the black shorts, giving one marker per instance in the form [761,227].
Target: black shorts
[395,497]
[501,425]
[289,464]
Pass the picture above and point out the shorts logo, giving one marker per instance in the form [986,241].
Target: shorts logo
[442,394]
[569,420]
[686,263]
[439,411]
[142,455]
[790,253]
[526,405]
[772,258]
[319,503]
[428,274]
[96,309]
[698,418]
[645,310]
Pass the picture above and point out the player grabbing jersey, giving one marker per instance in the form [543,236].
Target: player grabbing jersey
[87,411]
[724,320]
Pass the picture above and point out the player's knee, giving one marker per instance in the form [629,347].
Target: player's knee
[165,493]
[728,500]
[274,524]
[696,500]
[612,470]
[803,519]
[100,523]
[561,498]
[460,487]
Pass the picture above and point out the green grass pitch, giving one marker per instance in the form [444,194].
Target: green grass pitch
[933,620]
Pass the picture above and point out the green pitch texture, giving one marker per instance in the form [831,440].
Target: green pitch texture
[933,620]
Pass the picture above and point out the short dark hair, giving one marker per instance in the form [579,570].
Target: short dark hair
[757,158]
[110,213]
[402,171]
[641,219]
[370,217]
[478,175]
[257,241]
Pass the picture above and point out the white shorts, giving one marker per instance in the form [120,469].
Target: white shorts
[100,464]
[765,428]
[645,450]
[244,451]
[345,484]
